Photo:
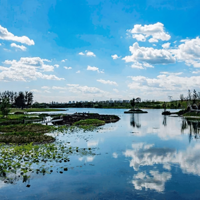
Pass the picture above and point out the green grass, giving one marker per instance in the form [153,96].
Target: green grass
[192,114]
[88,122]
[36,109]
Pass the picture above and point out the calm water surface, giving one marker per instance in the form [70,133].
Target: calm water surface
[143,156]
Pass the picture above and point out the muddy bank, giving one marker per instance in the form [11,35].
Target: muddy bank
[70,119]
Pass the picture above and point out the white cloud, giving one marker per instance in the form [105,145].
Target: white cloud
[68,67]
[56,65]
[115,56]
[143,65]
[165,82]
[166,45]
[189,52]
[78,72]
[76,88]
[58,88]
[22,47]
[139,37]
[26,69]
[87,53]
[152,40]
[36,91]
[155,31]
[94,69]
[45,87]
[5,35]
[81,53]
[149,55]
[107,82]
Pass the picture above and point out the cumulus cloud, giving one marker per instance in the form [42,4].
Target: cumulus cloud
[149,55]
[87,53]
[107,82]
[45,87]
[143,65]
[115,56]
[76,88]
[165,82]
[166,45]
[56,65]
[81,53]
[155,31]
[22,47]
[139,37]
[26,69]
[189,52]
[94,69]
[6,35]
[68,67]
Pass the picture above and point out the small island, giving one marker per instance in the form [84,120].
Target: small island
[133,110]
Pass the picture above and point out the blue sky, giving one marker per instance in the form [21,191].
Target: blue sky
[98,50]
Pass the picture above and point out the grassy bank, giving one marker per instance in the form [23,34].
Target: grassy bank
[89,122]
[13,110]
[25,133]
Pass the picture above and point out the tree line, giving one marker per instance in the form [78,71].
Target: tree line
[19,100]
[191,96]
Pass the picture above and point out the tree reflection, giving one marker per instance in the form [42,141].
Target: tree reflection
[164,120]
[135,121]
[193,126]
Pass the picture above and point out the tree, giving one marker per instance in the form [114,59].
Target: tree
[132,102]
[4,107]
[20,101]
[189,96]
[30,99]
[194,96]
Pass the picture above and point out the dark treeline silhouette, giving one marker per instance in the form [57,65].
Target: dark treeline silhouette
[19,100]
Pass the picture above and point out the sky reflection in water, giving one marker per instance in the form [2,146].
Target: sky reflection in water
[143,156]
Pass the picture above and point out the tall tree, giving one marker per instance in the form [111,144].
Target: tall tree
[19,101]
[4,107]
[30,99]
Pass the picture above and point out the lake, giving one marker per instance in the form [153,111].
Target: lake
[142,156]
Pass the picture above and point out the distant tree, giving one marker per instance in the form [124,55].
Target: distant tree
[194,96]
[30,99]
[132,102]
[4,107]
[189,96]
[20,101]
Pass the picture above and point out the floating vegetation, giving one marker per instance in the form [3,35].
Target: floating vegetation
[19,162]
